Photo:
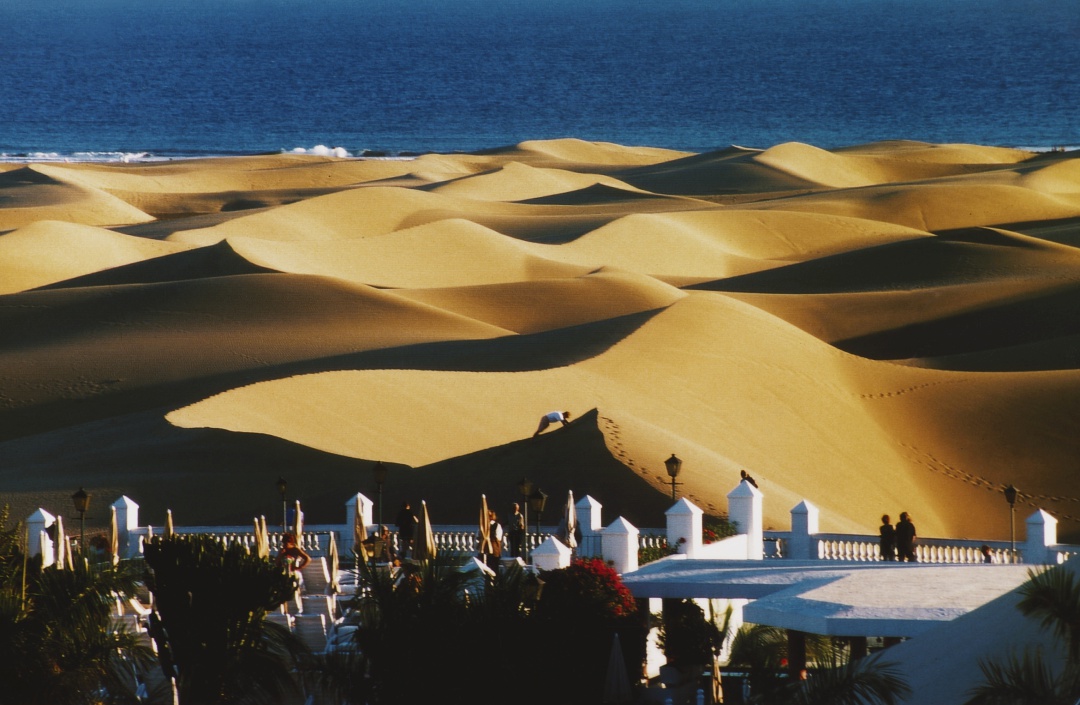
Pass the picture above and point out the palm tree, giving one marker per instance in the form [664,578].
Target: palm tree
[762,651]
[209,621]
[58,641]
[1052,597]
[865,681]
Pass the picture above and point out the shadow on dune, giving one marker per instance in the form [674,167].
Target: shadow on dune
[211,476]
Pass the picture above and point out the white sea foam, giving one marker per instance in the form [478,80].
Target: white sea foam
[121,157]
[322,150]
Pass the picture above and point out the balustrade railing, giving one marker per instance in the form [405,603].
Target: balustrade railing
[866,547]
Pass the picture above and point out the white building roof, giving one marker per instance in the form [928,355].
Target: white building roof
[832,597]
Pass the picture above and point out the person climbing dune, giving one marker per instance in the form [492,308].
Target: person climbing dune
[550,418]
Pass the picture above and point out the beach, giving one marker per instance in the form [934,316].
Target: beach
[876,328]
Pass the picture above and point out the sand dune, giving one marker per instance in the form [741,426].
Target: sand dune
[34,193]
[881,327]
[46,251]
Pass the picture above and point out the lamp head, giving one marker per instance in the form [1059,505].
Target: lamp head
[1011,494]
[537,500]
[673,465]
[379,471]
[525,487]
[81,499]
[281,486]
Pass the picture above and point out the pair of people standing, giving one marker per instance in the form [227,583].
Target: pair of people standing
[898,542]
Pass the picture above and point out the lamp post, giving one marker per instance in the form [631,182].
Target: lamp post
[525,487]
[281,487]
[81,499]
[537,500]
[673,465]
[1010,497]
[379,471]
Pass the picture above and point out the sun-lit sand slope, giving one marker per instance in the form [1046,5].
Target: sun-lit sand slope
[881,328]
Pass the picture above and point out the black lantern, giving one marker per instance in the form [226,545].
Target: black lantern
[379,471]
[673,465]
[81,500]
[1011,494]
[537,500]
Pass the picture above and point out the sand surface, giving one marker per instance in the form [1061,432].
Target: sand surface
[880,328]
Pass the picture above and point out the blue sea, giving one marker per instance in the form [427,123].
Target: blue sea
[103,79]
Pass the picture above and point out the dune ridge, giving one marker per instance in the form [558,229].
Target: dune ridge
[877,328]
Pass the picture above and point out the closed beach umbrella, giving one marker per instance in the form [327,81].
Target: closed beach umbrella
[331,550]
[262,541]
[169,531]
[62,549]
[616,682]
[358,533]
[298,526]
[568,524]
[425,542]
[114,537]
[485,527]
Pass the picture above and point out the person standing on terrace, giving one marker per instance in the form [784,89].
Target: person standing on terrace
[905,538]
[888,539]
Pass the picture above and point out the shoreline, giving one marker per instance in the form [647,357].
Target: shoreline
[151,156]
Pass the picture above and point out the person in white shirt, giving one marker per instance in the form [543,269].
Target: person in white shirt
[550,418]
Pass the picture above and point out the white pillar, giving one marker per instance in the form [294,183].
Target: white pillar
[552,554]
[684,521]
[1041,534]
[804,524]
[744,509]
[361,505]
[588,514]
[127,520]
[620,545]
[38,542]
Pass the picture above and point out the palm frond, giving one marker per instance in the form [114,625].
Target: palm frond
[1027,680]
[867,681]
[1053,597]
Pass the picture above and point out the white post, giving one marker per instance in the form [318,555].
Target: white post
[744,509]
[38,542]
[588,514]
[1041,535]
[620,545]
[804,524]
[553,554]
[684,527]
[127,520]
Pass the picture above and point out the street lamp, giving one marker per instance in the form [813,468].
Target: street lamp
[1010,497]
[537,500]
[380,477]
[525,488]
[673,465]
[281,487]
[81,499]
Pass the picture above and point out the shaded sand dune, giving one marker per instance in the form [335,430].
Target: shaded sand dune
[877,328]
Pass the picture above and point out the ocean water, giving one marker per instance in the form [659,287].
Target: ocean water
[154,78]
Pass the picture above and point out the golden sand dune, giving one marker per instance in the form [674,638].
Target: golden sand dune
[452,252]
[69,349]
[550,304]
[34,193]
[880,328]
[45,252]
[995,198]
[724,243]
[518,182]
